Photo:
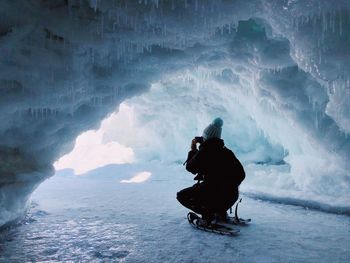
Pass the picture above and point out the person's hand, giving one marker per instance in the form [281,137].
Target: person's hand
[194,145]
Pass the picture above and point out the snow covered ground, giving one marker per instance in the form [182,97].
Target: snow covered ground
[129,213]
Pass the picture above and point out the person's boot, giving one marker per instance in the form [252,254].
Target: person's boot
[222,217]
[206,220]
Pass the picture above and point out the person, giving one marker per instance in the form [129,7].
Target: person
[218,171]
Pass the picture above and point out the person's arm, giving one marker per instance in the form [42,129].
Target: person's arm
[193,164]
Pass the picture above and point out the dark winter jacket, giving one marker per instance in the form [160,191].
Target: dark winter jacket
[218,165]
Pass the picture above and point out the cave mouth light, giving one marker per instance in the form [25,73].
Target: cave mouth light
[92,150]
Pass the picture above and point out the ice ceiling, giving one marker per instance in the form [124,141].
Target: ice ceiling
[277,71]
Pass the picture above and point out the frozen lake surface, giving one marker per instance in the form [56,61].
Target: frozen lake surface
[98,218]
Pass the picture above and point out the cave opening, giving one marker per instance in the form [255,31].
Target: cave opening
[100,100]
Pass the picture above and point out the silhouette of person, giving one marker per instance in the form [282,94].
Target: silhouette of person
[218,171]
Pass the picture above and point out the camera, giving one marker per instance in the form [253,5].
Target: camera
[199,139]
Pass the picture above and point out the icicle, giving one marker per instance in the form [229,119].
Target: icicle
[333,19]
[348,93]
[96,4]
[164,30]
[340,24]
[324,22]
[102,22]
[307,18]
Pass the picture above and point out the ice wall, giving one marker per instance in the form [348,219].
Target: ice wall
[66,64]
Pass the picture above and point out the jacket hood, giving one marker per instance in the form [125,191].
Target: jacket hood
[212,143]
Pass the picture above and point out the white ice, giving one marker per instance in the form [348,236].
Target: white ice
[95,218]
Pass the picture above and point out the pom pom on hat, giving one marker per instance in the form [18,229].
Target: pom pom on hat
[218,122]
[214,129]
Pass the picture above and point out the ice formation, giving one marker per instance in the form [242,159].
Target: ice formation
[277,70]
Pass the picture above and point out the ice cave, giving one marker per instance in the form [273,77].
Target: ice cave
[95,89]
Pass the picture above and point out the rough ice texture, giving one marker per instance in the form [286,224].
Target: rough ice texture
[111,221]
[67,64]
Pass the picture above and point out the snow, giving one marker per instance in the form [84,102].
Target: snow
[138,178]
[95,218]
[277,71]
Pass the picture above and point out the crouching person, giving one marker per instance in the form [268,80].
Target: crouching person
[218,171]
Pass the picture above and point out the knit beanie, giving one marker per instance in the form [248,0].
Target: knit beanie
[214,129]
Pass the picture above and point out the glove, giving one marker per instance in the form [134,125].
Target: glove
[199,177]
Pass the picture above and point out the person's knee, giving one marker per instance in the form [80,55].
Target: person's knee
[180,196]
